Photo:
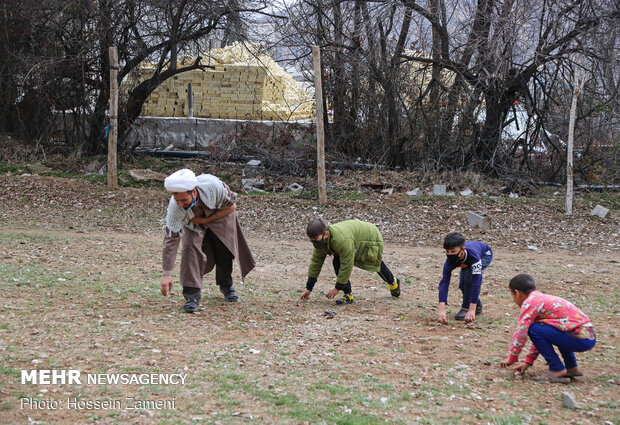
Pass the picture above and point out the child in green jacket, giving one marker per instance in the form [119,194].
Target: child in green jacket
[350,242]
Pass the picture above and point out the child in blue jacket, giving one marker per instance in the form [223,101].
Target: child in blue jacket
[472,258]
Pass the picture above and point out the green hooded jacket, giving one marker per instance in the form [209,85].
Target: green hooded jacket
[356,243]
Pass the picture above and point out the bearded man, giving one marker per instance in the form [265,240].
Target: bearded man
[202,214]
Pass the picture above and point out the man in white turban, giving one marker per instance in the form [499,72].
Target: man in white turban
[201,212]
[181,181]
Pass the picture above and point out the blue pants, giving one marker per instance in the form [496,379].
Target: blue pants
[544,337]
[465,279]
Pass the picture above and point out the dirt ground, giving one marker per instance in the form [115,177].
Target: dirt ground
[80,273]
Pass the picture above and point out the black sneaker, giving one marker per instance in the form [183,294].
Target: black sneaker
[346,299]
[460,315]
[191,305]
[479,308]
[230,295]
[395,288]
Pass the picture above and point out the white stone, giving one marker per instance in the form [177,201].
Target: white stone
[600,211]
[415,192]
[253,182]
[466,192]
[513,195]
[254,163]
[253,185]
[569,401]
[439,189]
[145,175]
[476,219]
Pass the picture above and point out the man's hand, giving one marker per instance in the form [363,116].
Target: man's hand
[504,364]
[441,314]
[215,216]
[200,220]
[166,285]
[470,316]
[306,295]
[332,294]
[442,318]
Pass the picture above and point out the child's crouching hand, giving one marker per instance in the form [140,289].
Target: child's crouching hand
[505,363]
[521,368]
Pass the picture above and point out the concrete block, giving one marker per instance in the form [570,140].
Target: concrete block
[600,211]
[253,183]
[476,219]
[415,192]
[466,192]
[439,189]
[295,187]
[253,189]
[145,175]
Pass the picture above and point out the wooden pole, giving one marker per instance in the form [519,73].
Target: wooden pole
[190,100]
[577,86]
[320,130]
[113,130]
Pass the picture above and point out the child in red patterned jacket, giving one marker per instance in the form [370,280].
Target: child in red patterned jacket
[548,321]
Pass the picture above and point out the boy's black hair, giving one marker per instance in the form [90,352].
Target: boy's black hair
[453,240]
[316,227]
[522,282]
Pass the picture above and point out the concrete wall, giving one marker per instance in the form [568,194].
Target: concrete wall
[199,133]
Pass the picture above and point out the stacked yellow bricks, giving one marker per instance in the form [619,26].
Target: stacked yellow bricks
[249,89]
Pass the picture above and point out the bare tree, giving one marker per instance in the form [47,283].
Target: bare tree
[62,61]
[437,80]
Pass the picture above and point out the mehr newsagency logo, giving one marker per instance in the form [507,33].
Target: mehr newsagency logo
[76,377]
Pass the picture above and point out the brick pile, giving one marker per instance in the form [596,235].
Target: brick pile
[242,85]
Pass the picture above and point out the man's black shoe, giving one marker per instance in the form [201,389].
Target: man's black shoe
[346,299]
[191,305]
[230,294]
[395,288]
[460,315]
[479,308]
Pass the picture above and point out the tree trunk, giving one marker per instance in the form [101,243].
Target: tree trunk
[577,85]
[339,82]
[96,143]
[484,148]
